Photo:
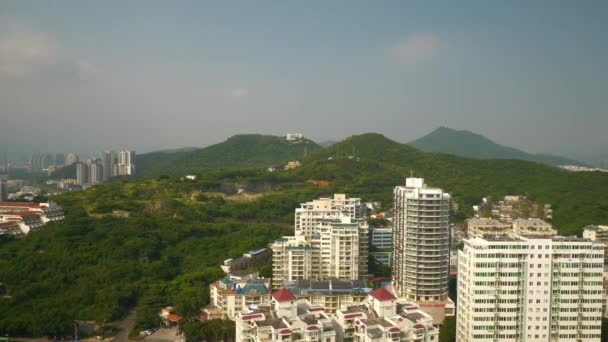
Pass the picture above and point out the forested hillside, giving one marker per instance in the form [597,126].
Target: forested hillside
[245,150]
[98,266]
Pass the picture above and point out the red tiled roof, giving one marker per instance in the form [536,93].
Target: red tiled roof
[418,326]
[316,309]
[394,330]
[174,318]
[312,327]
[248,317]
[285,332]
[378,279]
[20,204]
[9,224]
[284,295]
[353,315]
[20,213]
[382,294]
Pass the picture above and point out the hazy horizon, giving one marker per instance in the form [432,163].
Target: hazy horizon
[86,77]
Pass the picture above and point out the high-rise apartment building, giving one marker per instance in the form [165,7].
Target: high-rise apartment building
[95,172]
[597,233]
[421,241]
[3,190]
[291,259]
[310,214]
[515,288]
[71,159]
[126,163]
[339,249]
[107,159]
[82,173]
[343,249]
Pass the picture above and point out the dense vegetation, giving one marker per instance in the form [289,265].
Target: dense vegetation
[95,266]
[578,198]
[246,150]
[469,144]
[98,265]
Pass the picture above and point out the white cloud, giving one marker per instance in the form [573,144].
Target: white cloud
[28,53]
[24,51]
[237,92]
[416,47]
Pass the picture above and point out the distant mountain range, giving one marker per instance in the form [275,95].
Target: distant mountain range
[468,144]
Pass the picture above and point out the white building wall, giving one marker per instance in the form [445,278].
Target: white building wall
[529,289]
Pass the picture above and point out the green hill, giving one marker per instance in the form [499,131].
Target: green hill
[379,164]
[95,266]
[245,150]
[469,144]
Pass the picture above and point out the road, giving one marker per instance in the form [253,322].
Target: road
[124,326]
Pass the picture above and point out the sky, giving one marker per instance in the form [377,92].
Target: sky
[84,76]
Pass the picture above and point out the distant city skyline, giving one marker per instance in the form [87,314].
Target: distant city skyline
[152,75]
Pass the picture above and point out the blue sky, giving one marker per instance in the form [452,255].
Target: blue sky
[85,76]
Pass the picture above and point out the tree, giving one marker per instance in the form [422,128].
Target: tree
[447,331]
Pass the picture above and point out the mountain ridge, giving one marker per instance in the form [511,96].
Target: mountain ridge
[473,145]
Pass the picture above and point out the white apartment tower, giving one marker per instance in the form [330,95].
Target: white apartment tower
[536,288]
[291,259]
[95,172]
[310,214]
[421,241]
[343,250]
[126,163]
[82,173]
[339,249]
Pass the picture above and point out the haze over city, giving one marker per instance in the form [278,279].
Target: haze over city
[82,77]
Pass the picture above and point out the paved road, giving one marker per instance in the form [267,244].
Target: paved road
[164,335]
[124,326]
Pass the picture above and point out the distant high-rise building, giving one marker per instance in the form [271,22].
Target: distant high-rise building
[71,159]
[95,172]
[536,288]
[126,163]
[3,190]
[40,161]
[107,158]
[82,173]
[59,159]
[421,241]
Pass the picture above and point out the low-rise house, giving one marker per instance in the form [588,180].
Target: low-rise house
[293,164]
[285,319]
[485,225]
[383,317]
[10,228]
[244,261]
[533,226]
[169,318]
[236,291]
